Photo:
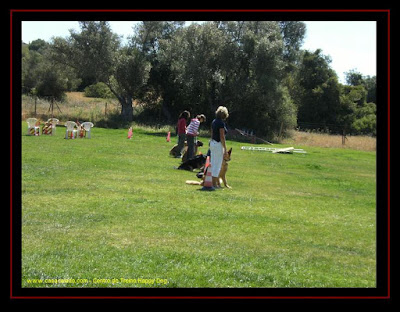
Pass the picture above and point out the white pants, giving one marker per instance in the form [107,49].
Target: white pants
[217,155]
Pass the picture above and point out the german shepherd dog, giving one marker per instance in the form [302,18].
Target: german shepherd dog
[222,172]
[196,162]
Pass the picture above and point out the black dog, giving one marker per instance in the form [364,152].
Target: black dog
[193,163]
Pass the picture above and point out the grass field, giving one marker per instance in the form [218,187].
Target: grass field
[359,142]
[113,212]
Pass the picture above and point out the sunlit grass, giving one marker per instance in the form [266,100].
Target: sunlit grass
[110,208]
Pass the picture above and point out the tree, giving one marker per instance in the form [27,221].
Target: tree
[38,45]
[42,77]
[161,92]
[95,53]
[130,75]
[355,78]
[236,64]
[31,60]
[318,93]
[365,121]
[370,86]
[255,68]
[293,33]
[358,115]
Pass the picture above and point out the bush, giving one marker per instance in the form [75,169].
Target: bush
[98,90]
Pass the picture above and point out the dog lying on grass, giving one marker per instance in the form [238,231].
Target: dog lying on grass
[196,162]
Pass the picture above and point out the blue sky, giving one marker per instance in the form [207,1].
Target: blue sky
[350,44]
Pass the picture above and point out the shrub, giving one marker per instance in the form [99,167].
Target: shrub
[98,90]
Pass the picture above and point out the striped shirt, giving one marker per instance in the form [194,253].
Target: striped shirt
[193,127]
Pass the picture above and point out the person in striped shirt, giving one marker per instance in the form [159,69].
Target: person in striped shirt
[192,133]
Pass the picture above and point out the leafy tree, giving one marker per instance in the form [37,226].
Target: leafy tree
[357,115]
[370,86]
[52,83]
[95,54]
[267,104]
[365,121]
[255,68]
[130,75]
[360,96]
[161,92]
[318,93]
[31,61]
[355,78]
[293,33]
[43,77]
[237,64]
[38,45]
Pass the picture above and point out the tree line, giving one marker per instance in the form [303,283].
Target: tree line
[255,68]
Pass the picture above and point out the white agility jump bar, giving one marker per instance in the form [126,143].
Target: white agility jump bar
[286,150]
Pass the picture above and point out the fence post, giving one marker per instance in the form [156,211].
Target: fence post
[35,104]
[344,138]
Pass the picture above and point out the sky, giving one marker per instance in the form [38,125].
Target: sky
[351,45]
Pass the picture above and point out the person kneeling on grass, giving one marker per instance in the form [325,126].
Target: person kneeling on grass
[192,133]
[217,143]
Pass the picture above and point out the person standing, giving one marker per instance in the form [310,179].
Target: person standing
[182,119]
[218,143]
[192,133]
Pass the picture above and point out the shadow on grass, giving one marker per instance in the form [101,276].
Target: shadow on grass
[158,134]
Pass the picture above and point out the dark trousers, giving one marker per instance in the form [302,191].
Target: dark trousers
[181,143]
[191,142]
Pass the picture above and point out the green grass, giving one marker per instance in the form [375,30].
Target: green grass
[113,208]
